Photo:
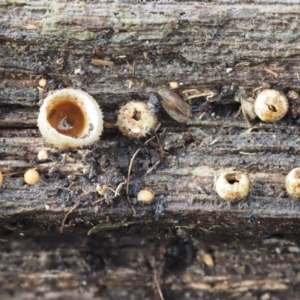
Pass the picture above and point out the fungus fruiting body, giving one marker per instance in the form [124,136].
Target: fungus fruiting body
[208,260]
[146,196]
[70,118]
[31,176]
[174,85]
[136,120]
[1,178]
[42,82]
[233,186]
[271,105]
[43,155]
[292,183]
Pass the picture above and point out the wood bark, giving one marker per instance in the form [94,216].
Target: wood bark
[74,267]
[119,51]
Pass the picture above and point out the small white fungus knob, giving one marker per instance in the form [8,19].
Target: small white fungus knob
[233,186]
[31,177]
[271,105]
[292,183]
[146,196]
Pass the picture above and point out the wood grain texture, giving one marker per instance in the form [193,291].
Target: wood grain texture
[213,45]
[119,51]
[80,268]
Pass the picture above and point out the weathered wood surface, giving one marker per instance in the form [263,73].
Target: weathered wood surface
[182,267]
[205,45]
[200,45]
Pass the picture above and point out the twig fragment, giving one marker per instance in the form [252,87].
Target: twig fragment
[266,69]
[129,170]
[200,189]
[75,206]
[153,167]
[194,93]
[102,62]
[158,286]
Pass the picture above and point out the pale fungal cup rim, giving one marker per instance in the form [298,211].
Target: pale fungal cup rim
[91,110]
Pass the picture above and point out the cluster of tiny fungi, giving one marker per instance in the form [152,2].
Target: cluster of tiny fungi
[71,118]
[235,186]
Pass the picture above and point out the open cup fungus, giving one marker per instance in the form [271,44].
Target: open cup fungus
[136,120]
[233,186]
[70,118]
[271,105]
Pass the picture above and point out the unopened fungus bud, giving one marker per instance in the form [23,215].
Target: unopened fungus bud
[174,85]
[31,176]
[42,82]
[43,155]
[271,105]
[146,196]
[135,119]
[233,186]
[292,183]
[70,118]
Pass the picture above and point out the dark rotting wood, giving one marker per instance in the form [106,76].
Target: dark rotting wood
[123,50]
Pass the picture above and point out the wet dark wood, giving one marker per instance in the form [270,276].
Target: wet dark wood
[181,266]
[121,50]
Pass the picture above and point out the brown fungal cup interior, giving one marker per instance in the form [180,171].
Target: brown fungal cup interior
[232,178]
[272,108]
[136,115]
[67,117]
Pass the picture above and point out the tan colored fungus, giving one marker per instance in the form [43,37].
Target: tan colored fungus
[1,178]
[174,85]
[208,260]
[146,196]
[42,82]
[233,186]
[31,176]
[271,105]
[292,183]
[135,120]
[70,118]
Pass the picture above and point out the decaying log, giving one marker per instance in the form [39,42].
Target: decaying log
[182,267]
[121,50]
[140,47]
